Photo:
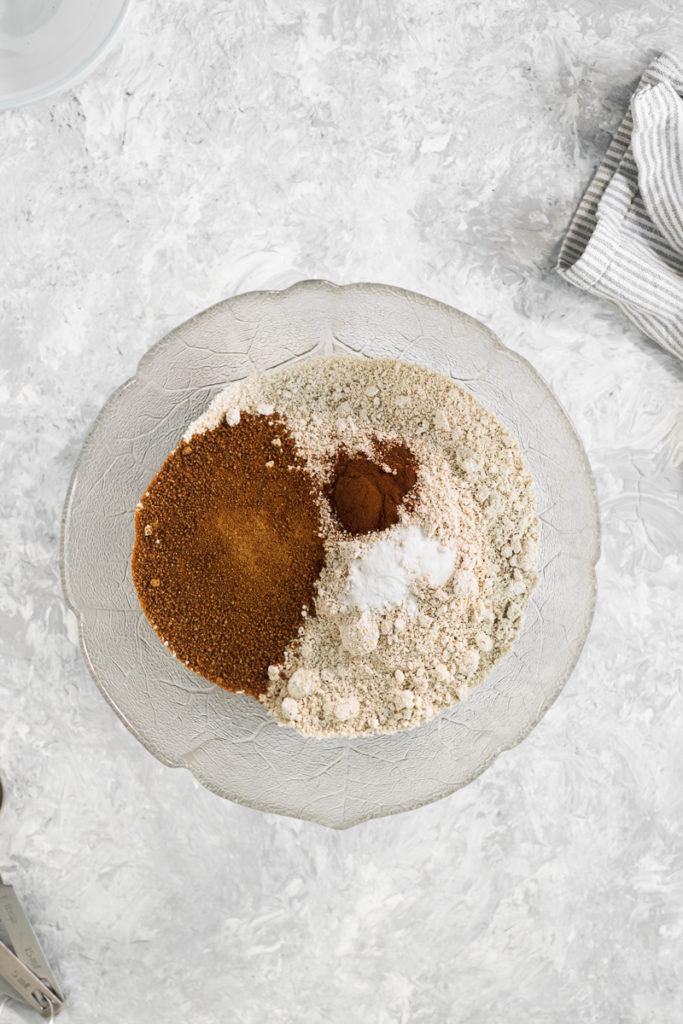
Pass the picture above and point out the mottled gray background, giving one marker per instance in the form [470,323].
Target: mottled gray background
[436,145]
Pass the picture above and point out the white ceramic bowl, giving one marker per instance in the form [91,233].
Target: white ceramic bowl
[49,45]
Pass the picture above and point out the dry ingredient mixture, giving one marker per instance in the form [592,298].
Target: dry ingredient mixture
[353,541]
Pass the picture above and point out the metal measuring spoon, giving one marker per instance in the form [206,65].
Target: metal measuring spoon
[24,964]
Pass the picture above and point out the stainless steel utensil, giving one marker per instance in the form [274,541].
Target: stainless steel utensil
[24,971]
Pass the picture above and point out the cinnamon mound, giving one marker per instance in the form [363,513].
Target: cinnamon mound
[228,550]
[367,497]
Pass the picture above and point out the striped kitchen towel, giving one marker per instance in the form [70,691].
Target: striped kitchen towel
[626,239]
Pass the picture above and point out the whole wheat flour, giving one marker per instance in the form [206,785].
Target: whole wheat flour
[409,619]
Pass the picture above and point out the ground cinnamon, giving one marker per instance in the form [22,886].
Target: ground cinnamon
[364,495]
[228,550]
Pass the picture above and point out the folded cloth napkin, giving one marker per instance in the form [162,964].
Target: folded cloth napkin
[626,239]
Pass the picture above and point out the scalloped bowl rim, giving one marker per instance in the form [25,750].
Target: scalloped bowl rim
[590,561]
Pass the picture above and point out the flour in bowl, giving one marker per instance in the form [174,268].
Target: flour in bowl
[429,527]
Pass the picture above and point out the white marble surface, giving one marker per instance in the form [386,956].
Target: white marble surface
[437,146]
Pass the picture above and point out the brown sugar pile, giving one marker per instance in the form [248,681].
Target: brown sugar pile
[366,496]
[228,550]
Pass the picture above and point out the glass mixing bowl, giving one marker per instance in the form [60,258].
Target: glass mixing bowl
[230,742]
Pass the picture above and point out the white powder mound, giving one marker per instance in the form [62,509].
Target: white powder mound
[407,620]
[383,577]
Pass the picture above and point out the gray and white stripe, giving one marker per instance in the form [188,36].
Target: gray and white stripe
[626,239]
